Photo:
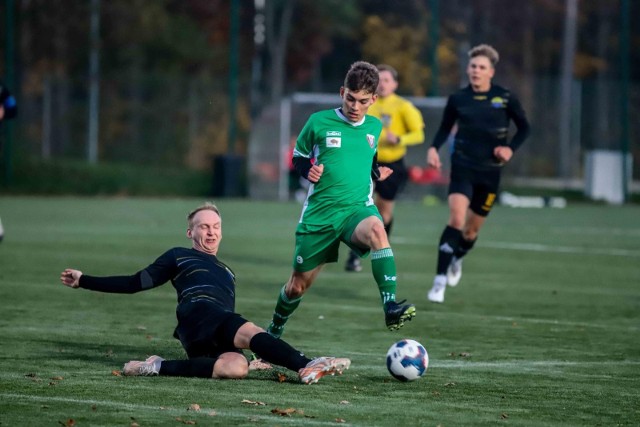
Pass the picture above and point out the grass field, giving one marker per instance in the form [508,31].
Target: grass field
[544,328]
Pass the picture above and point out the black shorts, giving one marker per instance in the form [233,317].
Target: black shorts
[480,186]
[395,183]
[205,330]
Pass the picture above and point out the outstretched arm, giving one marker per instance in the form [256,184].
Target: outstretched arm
[112,284]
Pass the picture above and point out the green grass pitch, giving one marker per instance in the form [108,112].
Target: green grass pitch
[544,328]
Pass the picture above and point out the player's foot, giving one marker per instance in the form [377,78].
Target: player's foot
[436,294]
[454,272]
[353,263]
[274,330]
[322,366]
[257,364]
[151,366]
[396,313]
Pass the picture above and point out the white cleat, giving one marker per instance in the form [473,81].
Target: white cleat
[454,272]
[145,368]
[322,366]
[436,294]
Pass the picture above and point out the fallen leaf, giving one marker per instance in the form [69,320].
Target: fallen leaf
[282,378]
[31,375]
[212,413]
[69,423]
[116,373]
[44,407]
[52,383]
[149,337]
[283,412]
[94,407]
[251,402]
[57,378]
[141,328]
[450,384]
[504,416]
[344,402]
[340,420]
[464,354]
[193,407]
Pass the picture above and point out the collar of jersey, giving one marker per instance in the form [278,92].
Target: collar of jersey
[344,118]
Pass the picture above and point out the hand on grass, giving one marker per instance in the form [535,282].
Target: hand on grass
[71,278]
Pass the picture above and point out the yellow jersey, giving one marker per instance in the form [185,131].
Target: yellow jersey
[403,119]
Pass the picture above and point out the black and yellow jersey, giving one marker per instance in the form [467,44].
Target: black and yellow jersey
[483,123]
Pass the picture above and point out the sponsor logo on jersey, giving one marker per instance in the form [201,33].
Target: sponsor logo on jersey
[371,139]
[498,102]
[334,139]
[334,142]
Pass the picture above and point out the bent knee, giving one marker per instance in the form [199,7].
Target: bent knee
[378,235]
[231,366]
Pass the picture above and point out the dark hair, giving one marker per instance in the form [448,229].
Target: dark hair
[390,69]
[362,76]
[206,207]
[485,50]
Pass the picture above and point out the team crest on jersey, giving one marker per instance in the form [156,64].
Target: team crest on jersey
[371,140]
[498,102]
[334,139]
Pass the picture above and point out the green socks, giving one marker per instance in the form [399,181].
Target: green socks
[284,308]
[383,265]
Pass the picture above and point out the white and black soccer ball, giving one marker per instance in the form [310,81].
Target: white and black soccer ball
[407,360]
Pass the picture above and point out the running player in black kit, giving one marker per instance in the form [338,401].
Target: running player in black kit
[209,330]
[482,111]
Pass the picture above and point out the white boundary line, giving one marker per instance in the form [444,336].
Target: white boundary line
[168,410]
[536,247]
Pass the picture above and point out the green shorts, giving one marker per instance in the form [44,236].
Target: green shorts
[319,244]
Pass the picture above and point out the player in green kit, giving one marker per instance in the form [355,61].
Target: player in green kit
[336,152]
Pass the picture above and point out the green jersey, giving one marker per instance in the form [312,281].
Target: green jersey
[346,150]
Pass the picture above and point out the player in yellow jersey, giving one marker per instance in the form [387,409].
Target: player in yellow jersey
[402,126]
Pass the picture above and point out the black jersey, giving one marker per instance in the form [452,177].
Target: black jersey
[195,275]
[483,124]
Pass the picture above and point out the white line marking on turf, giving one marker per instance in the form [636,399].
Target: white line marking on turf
[508,364]
[163,409]
[536,247]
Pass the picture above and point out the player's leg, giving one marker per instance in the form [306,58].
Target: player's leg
[369,233]
[289,299]
[448,244]
[313,249]
[199,367]
[279,352]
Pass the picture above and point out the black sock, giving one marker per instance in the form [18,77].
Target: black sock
[449,242]
[464,247]
[278,352]
[387,227]
[201,367]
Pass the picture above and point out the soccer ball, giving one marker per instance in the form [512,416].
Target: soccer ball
[407,360]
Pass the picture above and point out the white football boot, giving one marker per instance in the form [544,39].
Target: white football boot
[454,272]
[436,294]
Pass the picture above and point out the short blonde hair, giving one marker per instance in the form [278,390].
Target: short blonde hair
[485,50]
[208,206]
